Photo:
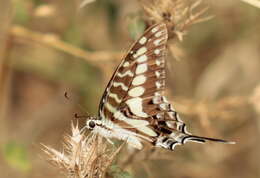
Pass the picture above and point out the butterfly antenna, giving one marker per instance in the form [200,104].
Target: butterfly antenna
[79,116]
[80,107]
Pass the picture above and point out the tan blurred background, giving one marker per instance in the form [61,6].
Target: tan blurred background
[48,47]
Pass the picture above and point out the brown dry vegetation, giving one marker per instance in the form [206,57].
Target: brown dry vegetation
[48,47]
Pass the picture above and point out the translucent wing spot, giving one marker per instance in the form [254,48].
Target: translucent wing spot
[159,116]
[142,58]
[137,91]
[138,80]
[158,84]
[157,99]
[126,64]
[136,106]
[143,40]
[158,62]
[164,106]
[158,34]
[140,52]
[157,74]
[157,94]
[157,51]
[157,42]
[155,29]
[164,99]
[141,68]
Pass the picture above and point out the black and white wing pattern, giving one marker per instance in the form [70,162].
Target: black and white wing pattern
[139,76]
[134,97]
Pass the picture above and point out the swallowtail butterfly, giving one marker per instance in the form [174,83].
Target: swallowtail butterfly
[133,107]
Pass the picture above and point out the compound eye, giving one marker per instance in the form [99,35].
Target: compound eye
[92,124]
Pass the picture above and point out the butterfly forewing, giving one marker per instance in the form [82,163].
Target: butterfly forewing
[139,77]
[134,94]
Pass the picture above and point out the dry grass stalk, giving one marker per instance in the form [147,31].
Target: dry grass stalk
[85,2]
[222,109]
[82,156]
[177,14]
[95,58]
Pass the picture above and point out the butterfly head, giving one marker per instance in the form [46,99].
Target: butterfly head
[92,122]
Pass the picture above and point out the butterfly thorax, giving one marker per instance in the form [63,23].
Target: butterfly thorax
[108,129]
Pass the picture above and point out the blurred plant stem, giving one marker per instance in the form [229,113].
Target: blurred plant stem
[255,100]
[221,108]
[5,47]
[5,42]
[95,58]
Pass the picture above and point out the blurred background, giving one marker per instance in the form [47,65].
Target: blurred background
[49,47]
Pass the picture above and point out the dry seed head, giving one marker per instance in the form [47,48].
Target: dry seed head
[177,14]
[82,156]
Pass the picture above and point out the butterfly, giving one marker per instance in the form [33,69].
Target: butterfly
[133,107]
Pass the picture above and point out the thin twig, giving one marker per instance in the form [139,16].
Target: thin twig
[95,58]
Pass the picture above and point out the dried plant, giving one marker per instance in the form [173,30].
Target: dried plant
[255,3]
[20,33]
[255,99]
[177,14]
[82,156]
[85,2]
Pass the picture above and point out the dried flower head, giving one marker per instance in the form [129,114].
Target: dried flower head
[177,14]
[82,156]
